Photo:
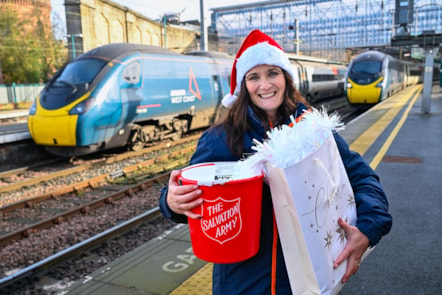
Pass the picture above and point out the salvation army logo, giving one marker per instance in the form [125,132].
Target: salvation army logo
[221,220]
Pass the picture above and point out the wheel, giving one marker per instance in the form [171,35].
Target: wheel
[137,139]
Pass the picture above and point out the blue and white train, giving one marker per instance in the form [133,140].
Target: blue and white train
[127,95]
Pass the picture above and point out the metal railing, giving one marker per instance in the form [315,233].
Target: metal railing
[19,93]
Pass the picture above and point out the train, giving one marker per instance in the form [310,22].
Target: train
[318,79]
[126,95]
[373,76]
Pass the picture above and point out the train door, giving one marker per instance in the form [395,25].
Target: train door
[301,73]
[205,79]
[297,77]
[130,84]
[304,82]
[387,78]
[223,88]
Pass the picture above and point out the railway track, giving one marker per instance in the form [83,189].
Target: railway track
[24,183]
[108,198]
[82,196]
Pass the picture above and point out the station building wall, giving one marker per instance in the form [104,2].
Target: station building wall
[101,22]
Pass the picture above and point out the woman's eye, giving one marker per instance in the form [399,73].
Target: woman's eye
[252,78]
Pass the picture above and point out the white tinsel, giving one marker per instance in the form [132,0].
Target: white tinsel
[286,145]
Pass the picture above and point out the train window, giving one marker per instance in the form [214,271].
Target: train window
[323,77]
[367,67]
[132,72]
[415,72]
[80,72]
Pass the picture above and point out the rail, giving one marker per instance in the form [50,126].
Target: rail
[47,264]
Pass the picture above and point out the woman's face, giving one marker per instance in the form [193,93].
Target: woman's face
[266,86]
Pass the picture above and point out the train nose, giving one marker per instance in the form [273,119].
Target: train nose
[53,130]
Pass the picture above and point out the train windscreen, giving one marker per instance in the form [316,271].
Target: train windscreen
[365,72]
[71,83]
[81,71]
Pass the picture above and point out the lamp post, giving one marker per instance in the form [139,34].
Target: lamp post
[72,36]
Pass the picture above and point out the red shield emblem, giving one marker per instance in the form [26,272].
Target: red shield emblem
[221,219]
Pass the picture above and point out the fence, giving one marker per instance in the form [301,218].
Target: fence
[17,95]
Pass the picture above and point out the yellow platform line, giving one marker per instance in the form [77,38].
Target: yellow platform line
[394,104]
[380,155]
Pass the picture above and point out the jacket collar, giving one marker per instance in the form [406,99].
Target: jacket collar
[257,125]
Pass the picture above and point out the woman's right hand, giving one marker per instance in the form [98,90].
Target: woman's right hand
[182,198]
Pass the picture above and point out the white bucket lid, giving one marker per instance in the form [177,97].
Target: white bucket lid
[209,174]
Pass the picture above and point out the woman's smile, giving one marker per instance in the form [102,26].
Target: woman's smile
[266,86]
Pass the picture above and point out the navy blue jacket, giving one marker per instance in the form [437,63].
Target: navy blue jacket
[253,276]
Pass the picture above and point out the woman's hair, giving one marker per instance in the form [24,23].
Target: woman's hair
[236,122]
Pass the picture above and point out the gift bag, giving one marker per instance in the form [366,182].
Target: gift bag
[310,192]
[308,198]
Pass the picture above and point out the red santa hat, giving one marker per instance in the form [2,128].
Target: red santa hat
[257,49]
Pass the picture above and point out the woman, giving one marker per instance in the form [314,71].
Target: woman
[266,99]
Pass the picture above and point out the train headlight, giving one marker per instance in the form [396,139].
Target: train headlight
[348,85]
[82,107]
[380,84]
[32,109]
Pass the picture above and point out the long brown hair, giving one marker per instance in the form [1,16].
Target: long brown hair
[236,123]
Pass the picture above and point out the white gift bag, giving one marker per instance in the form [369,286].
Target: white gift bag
[308,198]
[310,192]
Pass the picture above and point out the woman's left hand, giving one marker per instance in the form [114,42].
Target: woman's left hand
[357,244]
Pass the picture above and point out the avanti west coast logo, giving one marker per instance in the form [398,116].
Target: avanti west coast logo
[221,219]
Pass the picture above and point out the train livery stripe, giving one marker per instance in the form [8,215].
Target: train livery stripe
[157,105]
[192,82]
[394,105]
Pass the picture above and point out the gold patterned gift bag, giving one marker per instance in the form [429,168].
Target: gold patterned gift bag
[310,192]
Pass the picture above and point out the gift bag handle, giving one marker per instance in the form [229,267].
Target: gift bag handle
[333,180]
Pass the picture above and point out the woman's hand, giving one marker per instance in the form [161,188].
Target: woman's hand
[182,198]
[357,244]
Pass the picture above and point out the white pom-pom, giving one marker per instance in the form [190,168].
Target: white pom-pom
[286,145]
[229,100]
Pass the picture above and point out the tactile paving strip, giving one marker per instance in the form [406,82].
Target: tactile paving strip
[198,284]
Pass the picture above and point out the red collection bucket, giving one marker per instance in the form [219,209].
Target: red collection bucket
[229,230]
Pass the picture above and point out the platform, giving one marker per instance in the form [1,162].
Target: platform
[402,145]
[12,132]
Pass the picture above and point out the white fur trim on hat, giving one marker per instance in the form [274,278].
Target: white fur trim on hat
[261,54]
[228,100]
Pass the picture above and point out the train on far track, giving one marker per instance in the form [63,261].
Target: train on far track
[373,76]
[126,95]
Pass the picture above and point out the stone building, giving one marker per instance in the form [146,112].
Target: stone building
[92,23]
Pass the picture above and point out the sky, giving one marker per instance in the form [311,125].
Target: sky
[154,9]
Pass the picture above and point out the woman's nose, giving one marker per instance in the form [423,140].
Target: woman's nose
[265,84]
